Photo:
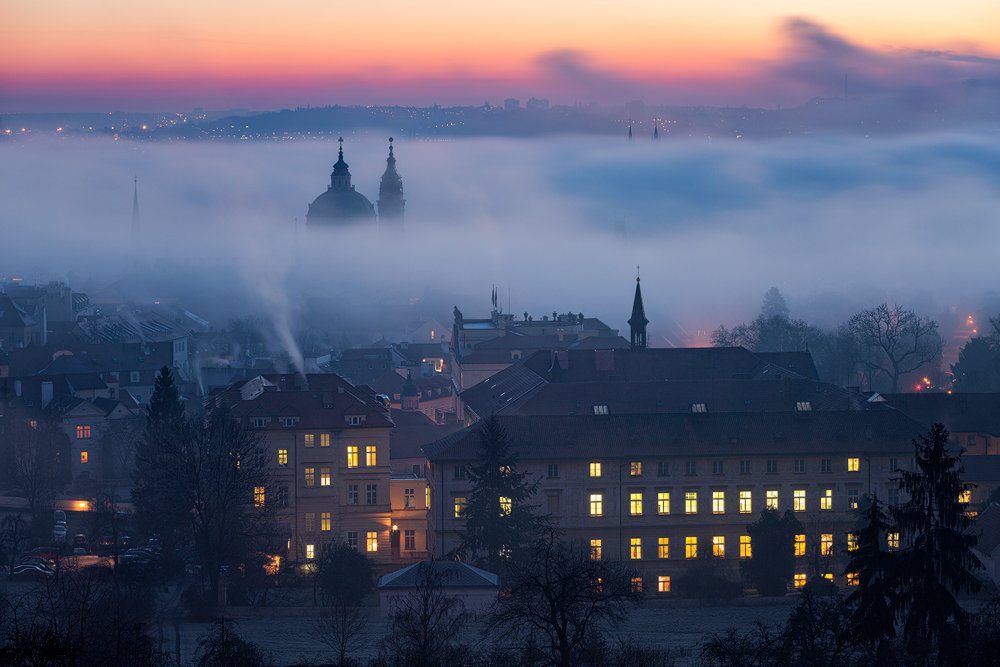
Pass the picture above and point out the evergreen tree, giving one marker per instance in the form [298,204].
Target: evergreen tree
[774,304]
[873,602]
[773,562]
[936,563]
[499,518]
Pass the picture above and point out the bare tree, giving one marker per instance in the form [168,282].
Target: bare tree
[895,341]
[36,454]
[119,443]
[341,629]
[346,577]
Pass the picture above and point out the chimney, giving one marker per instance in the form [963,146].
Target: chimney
[18,391]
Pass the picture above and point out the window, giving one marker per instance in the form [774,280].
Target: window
[595,469]
[84,457]
[460,507]
[352,456]
[690,547]
[324,476]
[553,502]
[965,496]
[371,456]
[663,583]
[600,409]
[892,541]
[825,465]
[409,540]
[717,467]
[308,440]
[553,470]
[852,579]
[800,465]
[893,464]
[826,500]
[133,377]
[310,551]
[663,502]
[324,439]
[282,457]
[690,502]
[372,541]
[803,406]
[352,494]
[799,545]
[635,548]
[324,522]
[355,420]
[852,498]
[371,494]
[746,502]
[83,432]
[417,471]
[690,468]
[289,422]
[635,468]
[595,550]
[310,522]
[282,500]
[826,544]
[352,539]
[310,476]
[718,502]
[772,466]
[799,580]
[596,504]
[745,467]
[663,548]
[853,464]
[799,500]
[663,469]
[409,499]
[699,408]
[636,584]
[719,546]
[852,542]
[427,497]
[460,472]
[635,503]
[746,548]
[258,496]
[506,506]
[771,499]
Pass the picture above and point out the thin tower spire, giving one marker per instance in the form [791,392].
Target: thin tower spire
[135,208]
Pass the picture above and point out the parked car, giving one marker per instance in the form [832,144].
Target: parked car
[31,572]
[59,533]
[46,553]
[80,540]
[59,516]
[79,551]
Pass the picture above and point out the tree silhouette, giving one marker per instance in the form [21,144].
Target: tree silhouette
[773,562]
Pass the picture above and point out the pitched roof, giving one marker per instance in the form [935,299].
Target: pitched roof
[13,316]
[959,412]
[452,573]
[987,529]
[413,430]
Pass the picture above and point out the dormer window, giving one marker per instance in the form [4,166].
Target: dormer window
[260,422]
[698,408]
[355,420]
[803,406]
[289,422]
[134,377]
[600,409]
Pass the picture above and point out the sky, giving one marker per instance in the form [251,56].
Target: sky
[106,55]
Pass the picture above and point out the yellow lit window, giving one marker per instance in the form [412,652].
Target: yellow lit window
[595,550]
[746,502]
[84,456]
[596,504]
[690,547]
[635,504]
[372,541]
[799,545]
[636,584]
[852,579]
[352,456]
[635,468]
[635,548]
[258,496]
[310,476]
[852,542]
[663,547]
[308,440]
[718,502]
[892,540]
[324,476]
[746,548]
[828,576]
[459,507]
[826,544]
[83,432]
[690,502]
[324,521]
[663,502]
[853,464]
[282,457]
[663,583]
[826,500]
[799,500]
[324,439]
[799,580]
[371,456]
[427,497]
[771,499]
[505,506]
[719,546]
[595,469]
[310,551]
[965,497]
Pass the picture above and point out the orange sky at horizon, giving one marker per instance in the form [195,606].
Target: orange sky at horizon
[53,45]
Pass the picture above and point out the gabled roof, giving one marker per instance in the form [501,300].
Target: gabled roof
[452,574]
[13,316]
[413,430]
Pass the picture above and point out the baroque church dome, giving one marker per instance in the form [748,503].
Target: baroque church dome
[341,204]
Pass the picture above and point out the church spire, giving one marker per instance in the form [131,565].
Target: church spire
[135,208]
[637,323]
[656,131]
[630,128]
[391,204]
[340,179]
